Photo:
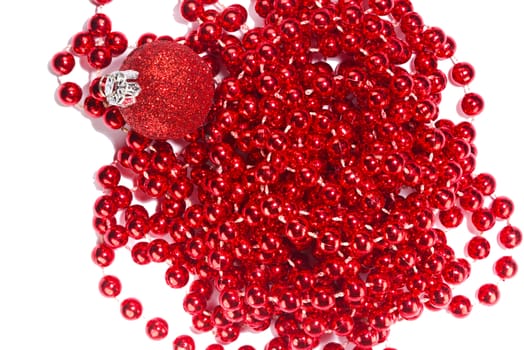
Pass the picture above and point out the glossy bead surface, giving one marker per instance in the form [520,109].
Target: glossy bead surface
[103,255]
[69,93]
[462,73]
[488,294]
[157,328]
[62,63]
[502,207]
[472,104]
[183,342]
[478,248]
[110,286]
[510,237]
[506,267]
[460,306]
[131,309]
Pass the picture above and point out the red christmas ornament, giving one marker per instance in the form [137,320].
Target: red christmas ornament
[176,90]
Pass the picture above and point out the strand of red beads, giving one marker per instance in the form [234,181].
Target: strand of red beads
[323,191]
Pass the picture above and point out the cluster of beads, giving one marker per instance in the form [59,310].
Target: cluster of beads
[320,194]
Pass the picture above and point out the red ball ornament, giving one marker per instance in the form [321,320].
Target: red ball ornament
[176,90]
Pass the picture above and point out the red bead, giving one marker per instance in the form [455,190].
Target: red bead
[502,207]
[99,25]
[483,219]
[110,286]
[333,346]
[460,306]
[103,255]
[105,206]
[382,7]
[510,237]
[146,38]
[488,294]
[108,176]
[215,347]
[506,267]
[451,218]
[116,237]
[183,342]
[456,271]
[471,199]
[82,43]
[131,309]
[232,18]
[103,224]
[93,107]
[99,57]
[177,276]
[113,118]
[227,334]
[100,2]
[117,43]
[62,63]
[69,94]
[485,183]
[478,248]
[440,295]
[157,328]
[159,252]
[191,10]
[472,104]
[462,73]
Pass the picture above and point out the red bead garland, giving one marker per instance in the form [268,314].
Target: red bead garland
[310,200]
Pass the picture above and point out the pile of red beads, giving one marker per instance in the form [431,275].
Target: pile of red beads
[316,198]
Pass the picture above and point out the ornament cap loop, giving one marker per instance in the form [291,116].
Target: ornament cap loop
[118,90]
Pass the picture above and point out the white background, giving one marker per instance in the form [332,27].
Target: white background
[48,285]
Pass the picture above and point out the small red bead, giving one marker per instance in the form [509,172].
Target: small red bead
[488,294]
[215,347]
[99,57]
[113,118]
[478,248]
[100,2]
[183,342]
[177,276]
[108,176]
[110,286]
[232,17]
[131,309]
[69,93]
[502,207]
[93,107]
[117,43]
[472,104]
[140,253]
[333,346]
[103,255]
[191,10]
[116,237]
[462,73]
[157,328]
[510,237]
[460,306]
[62,63]
[506,267]
[451,218]
[483,219]
[105,206]
[146,38]
[485,183]
[82,43]
[99,25]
